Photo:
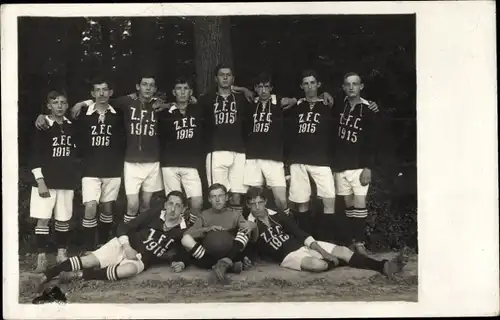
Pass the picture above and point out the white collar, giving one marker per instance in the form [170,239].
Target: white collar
[92,108]
[363,101]
[51,122]
[272,98]
[270,212]
[163,215]
[305,100]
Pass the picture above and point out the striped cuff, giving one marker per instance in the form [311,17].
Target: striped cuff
[309,240]
[37,172]
[242,238]
[123,240]
[198,252]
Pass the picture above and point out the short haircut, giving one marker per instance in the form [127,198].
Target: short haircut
[223,66]
[145,75]
[254,192]
[183,80]
[217,186]
[351,74]
[309,73]
[52,95]
[99,79]
[263,77]
[177,193]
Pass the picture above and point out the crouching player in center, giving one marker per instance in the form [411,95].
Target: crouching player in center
[278,237]
[153,237]
[219,236]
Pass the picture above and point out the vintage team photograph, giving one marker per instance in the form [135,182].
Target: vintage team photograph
[192,159]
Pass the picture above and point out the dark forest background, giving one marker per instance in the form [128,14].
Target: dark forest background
[66,52]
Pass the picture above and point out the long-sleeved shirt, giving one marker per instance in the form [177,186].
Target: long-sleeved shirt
[309,133]
[147,236]
[101,142]
[280,238]
[181,137]
[356,137]
[264,136]
[231,220]
[224,122]
[54,156]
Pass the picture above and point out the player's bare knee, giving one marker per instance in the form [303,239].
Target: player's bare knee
[90,209]
[132,204]
[342,252]
[90,261]
[359,201]
[107,207]
[349,200]
[303,207]
[313,264]
[42,222]
[188,241]
[126,270]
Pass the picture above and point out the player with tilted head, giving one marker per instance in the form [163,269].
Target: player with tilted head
[53,167]
[181,148]
[218,218]
[152,238]
[278,237]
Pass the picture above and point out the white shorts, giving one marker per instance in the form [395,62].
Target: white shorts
[60,203]
[100,189]
[347,183]
[226,168]
[176,177]
[145,175]
[294,259]
[300,186]
[112,253]
[256,170]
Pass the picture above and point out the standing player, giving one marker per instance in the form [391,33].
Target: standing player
[278,237]
[53,166]
[218,218]
[309,139]
[180,133]
[356,146]
[142,155]
[154,237]
[101,141]
[224,132]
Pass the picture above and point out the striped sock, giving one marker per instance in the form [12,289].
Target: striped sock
[287,211]
[41,238]
[105,225]
[240,242]
[62,234]
[89,230]
[108,273]
[198,251]
[127,217]
[72,264]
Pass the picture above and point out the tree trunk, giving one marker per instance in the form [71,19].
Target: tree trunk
[144,43]
[212,46]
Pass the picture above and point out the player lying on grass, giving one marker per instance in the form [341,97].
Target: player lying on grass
[276,236]
[218,218]
[153,237]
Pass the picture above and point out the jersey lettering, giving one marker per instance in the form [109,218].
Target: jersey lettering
[262,121]
[184,128]
[155,245]
[101,135]
[275,237]
[225,113]
[308,122]
[61,146]
[145,124]
[349,128]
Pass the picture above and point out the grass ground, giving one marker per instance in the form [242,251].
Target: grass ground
[263,283]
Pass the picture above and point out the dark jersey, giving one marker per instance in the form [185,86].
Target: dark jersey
[356,137]
[54,154]
[264,137]
[224,122]
[181,137]
[141,128]
[279,239]
[149,238]
[101,142]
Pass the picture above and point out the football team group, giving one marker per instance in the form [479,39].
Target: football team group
[234,146]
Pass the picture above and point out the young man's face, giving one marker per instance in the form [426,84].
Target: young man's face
[257,207]
[182,92]
[101,93]
[264,90]
[174,207]
[146,88]
[58,106]
[217,199]
[224,78]
[352,86]
[310,86]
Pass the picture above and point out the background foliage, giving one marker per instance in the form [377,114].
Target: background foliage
[65,52]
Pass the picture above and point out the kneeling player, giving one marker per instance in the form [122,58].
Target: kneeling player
[151,238]
[218,218]
[277,236]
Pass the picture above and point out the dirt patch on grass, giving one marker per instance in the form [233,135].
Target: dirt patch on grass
[264,283]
